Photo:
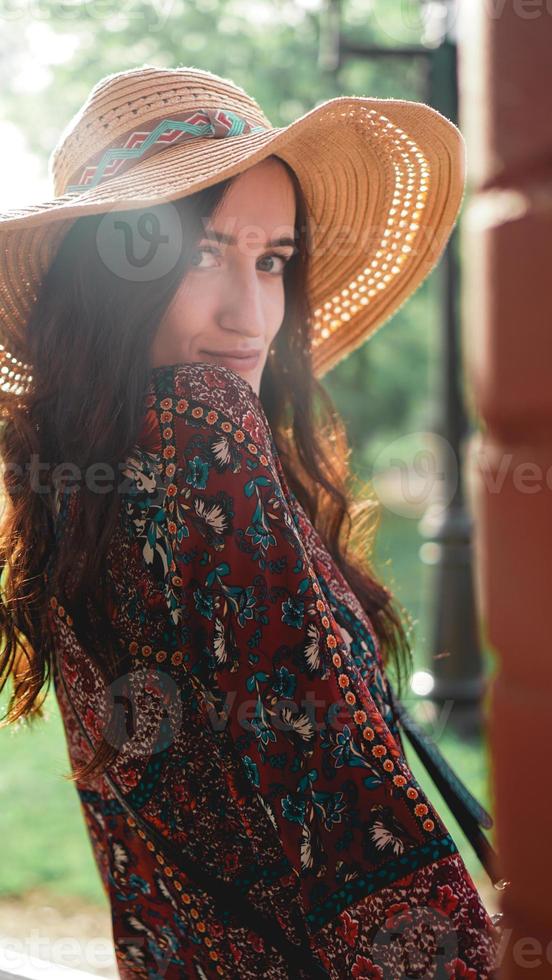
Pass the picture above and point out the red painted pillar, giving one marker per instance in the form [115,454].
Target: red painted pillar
[505,69]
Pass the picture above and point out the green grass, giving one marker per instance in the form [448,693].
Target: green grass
[45,839]
[41,823]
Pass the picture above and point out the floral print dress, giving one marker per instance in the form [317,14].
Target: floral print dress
[263,741]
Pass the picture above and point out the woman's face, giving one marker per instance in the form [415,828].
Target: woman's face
[230,302]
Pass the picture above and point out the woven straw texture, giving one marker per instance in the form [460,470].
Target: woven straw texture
[383,180]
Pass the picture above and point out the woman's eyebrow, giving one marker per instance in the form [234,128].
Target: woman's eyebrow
[223,239]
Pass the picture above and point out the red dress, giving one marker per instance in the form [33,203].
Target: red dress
[262,740]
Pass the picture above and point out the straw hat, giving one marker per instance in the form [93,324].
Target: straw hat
[383,181]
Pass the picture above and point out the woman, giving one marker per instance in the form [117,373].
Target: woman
[219,655]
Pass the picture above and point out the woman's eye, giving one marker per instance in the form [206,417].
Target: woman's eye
[199,252]
[281,258]
[279,262]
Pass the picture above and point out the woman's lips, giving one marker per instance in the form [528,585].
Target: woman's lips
[234,362]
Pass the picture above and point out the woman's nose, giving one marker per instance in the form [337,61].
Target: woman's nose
[242,308]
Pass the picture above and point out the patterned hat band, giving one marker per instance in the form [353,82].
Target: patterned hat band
[138,144]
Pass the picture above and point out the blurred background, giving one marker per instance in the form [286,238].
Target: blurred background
[402,394]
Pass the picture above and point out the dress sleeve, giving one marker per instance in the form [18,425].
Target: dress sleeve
[258,642]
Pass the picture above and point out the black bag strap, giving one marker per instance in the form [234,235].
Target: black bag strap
[299,958]
[469,813]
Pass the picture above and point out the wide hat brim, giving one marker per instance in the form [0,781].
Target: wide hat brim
[383,180]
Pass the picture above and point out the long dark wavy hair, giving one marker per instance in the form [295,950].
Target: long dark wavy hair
[89,341]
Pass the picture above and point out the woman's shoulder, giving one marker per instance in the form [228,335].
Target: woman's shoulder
[204,395]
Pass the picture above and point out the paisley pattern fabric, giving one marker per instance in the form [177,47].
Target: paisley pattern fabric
[262,738]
